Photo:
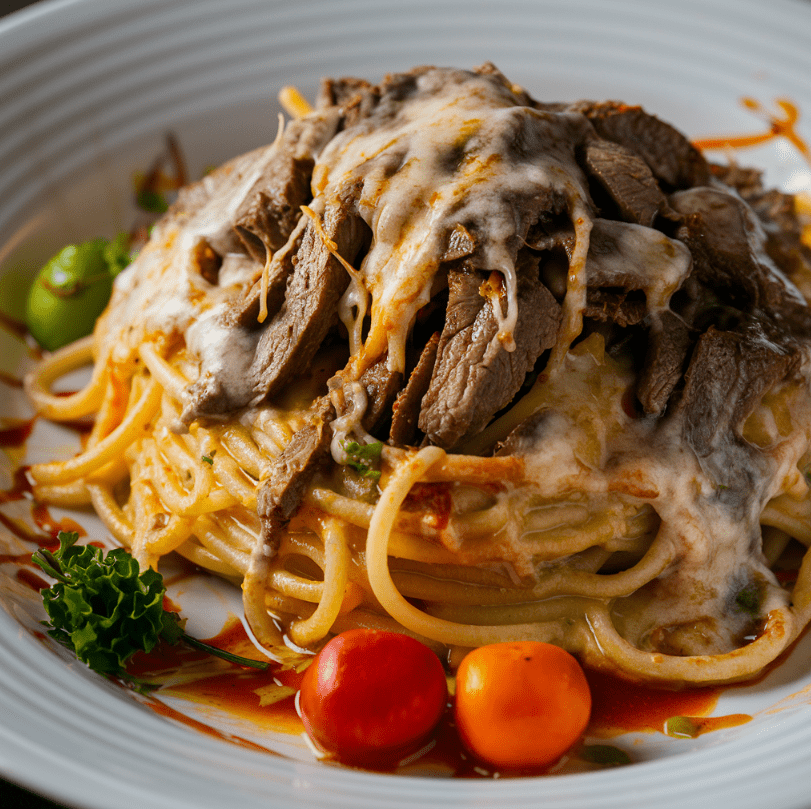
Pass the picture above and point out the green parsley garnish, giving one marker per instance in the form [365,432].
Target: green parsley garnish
[207,459]
[363,458]
[105,610]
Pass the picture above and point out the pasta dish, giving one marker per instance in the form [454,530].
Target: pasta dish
[445,359]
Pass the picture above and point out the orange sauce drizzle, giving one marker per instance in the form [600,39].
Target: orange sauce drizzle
[779,126]
[620,707]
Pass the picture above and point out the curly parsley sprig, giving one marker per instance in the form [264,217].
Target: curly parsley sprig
[105,610]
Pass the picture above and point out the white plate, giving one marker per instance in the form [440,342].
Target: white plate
[87,89]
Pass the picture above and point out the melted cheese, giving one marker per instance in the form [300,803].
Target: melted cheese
[460,150]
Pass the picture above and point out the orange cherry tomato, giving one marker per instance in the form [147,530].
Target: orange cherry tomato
[521,704]
[372,695]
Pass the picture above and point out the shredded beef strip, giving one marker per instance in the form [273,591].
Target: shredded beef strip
[310,306]
[673,160]
[728,247]
[272,207]
[474,375]
[669,343]
[244,311]
[627,180]
[614,306]
[382,386]
[777,214]
[728,374]
[280,495]
[406,412]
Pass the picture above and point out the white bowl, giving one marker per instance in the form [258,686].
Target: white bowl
[87,90]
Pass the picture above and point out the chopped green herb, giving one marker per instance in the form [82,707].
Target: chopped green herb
[748,599]
[605,754]
[682,727]
[363,457]
[105,610]
[208,459]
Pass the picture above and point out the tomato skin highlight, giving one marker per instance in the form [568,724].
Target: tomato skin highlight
[521,704]
[371,695]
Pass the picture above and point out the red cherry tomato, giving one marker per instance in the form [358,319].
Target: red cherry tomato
[521,704]
[371,694]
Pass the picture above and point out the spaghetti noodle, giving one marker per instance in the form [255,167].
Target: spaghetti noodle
[593,419]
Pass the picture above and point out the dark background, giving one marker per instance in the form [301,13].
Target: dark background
[7,6]
[12,796]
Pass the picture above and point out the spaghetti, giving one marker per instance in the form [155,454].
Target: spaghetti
[592,431]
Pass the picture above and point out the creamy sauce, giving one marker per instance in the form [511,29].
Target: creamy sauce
[714,540]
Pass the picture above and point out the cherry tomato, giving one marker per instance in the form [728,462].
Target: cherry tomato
[370,695]
[521,704]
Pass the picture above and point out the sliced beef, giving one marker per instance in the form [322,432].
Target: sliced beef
[271,207]
[728,374]
[614,306]
[474,375]
[269,215]
[728,248]
[280,495]
[243,312]
[669,342]
[200,204]
[461,243]
[673,160]
[526,435]
[778,216]
[745,180]
[382,386]
[784,243]
[339,92]
[315,286]
[406,411]
[626,179]
[553,233]
[284,346]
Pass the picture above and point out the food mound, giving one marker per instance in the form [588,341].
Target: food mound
[448,360]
